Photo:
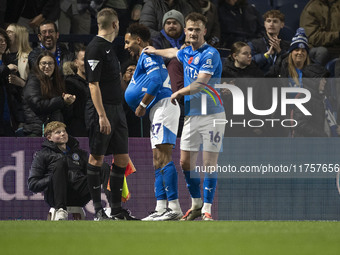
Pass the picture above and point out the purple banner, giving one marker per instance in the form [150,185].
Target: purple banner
[16,202]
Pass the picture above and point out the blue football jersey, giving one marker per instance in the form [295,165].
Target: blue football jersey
[151,76]
[206,59]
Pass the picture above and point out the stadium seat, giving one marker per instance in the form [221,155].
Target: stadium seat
[224,52]
[78,213]
[279,3]
[332,89]
[292,10]
[330,66]
[261,5]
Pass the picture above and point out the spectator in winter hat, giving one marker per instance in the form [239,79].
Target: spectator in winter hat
[299,40]
[172,34]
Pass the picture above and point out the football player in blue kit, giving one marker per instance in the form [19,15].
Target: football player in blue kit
[202,70]
[150,91]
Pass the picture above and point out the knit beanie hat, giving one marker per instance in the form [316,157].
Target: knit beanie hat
[299,40]
[173,14]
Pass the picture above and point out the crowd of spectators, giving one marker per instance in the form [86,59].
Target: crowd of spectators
[45,81]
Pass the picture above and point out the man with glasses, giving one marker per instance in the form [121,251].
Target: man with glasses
[48,36]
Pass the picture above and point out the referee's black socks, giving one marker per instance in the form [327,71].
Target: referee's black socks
[94,184]
[116,186]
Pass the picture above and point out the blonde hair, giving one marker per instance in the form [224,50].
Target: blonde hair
[292,70]
[69,68]
[22,40]
[106,17]
[53,125]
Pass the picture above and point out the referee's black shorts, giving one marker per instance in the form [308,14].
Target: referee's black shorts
[114,143]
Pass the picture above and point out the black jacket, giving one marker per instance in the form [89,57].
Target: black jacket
[13,96]
[231,71]
[239,23]
[64,52]
[280,70]
[249,77]
[260,46]
[39,110]
[75,123]
[314,125]
[50,9]
[44,162]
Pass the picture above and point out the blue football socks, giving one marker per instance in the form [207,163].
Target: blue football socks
[193,180]
[159,186]
[209,187]
[170,180]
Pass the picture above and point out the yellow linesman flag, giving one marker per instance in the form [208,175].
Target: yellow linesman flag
[130,168]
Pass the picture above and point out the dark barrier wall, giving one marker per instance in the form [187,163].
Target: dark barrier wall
[308,193]
[282,179]
[16,202]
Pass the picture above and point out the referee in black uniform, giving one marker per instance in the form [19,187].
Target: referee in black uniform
[108,132]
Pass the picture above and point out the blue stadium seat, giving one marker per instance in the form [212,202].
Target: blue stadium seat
[292,10]
[330,66]
[261,5]
[277,4]
[224,52]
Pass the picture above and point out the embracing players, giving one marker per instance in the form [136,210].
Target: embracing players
[150,91]
[202,70]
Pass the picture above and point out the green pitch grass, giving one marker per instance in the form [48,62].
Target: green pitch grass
[162,238]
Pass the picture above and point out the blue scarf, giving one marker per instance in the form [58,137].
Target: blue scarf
[175,43]
[57,53]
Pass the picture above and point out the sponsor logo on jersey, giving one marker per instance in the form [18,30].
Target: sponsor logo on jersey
[191,72]
[196,60]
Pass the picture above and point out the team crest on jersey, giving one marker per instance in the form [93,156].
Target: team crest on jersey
[93,63]
[190,60]
[196,60]
[75,156]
